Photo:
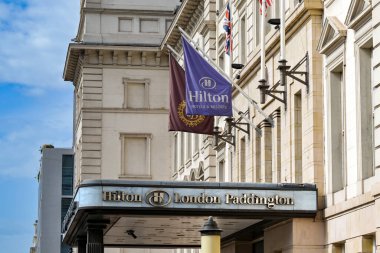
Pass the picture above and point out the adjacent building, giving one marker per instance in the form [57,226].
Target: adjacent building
[349,43]
[55,193]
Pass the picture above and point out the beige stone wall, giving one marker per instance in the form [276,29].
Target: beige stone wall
[102,116]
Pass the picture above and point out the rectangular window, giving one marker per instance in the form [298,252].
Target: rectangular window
[221,4]
[67,174]
[135,155]
[336,128]
[366,110]
[136,93]
[243,41]
[221,51]
[298,137]
[196,143]
[257,23]
[149,26]
[125,24]
[258,247]
[221,171]
[368,244]
[65,204]
[338,247]
[65,248]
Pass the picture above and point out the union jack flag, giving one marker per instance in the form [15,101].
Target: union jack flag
[227,26]
[267,4]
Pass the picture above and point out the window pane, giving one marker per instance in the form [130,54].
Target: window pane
[136,95]
[135,159]
[67,174]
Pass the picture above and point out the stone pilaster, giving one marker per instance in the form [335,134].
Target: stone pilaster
[276,164]
[266,152]
[376,79]
[81,242]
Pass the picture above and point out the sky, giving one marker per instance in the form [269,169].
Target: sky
[35,105]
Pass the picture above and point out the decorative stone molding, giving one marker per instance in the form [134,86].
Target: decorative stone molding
[333,35]
[79,54]
[359,13]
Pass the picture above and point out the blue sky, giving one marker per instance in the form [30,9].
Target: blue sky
[35,105]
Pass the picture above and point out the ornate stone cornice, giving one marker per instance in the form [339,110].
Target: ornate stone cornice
[182,19]
[115,55]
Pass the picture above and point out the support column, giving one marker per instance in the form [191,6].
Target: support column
[82,242]
[210,237]
[95,237]
[266,152]
[276,161]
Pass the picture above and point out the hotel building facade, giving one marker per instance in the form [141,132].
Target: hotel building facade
[318,134]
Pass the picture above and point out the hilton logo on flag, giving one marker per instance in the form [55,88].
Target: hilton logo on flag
[208,83]
[207,91]
[158,198]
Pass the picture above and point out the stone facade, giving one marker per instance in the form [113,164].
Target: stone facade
[348,43]
[326,133]
[288,151]
[121,99]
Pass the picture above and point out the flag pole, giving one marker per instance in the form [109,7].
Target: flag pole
[171,49]
[217,68]
[262,30]
[258,130]
[231,42]
[282,62]
[282,30]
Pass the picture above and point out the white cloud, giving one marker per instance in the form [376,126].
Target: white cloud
[34,39]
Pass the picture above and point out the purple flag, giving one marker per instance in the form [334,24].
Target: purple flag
[178,120]
[207,91]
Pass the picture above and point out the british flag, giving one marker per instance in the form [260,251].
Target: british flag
[267,4]
[227,26]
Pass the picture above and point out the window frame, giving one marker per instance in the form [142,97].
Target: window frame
[146,83]
[148,142]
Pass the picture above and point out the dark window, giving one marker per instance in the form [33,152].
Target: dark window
[258,247]
[67,174]
[65,248]
[65,204]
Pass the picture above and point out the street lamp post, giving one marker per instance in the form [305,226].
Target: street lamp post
[210,237]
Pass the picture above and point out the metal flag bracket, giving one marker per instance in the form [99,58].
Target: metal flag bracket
[227,135]
[300,76]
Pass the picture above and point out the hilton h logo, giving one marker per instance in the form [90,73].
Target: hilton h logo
[158,198]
